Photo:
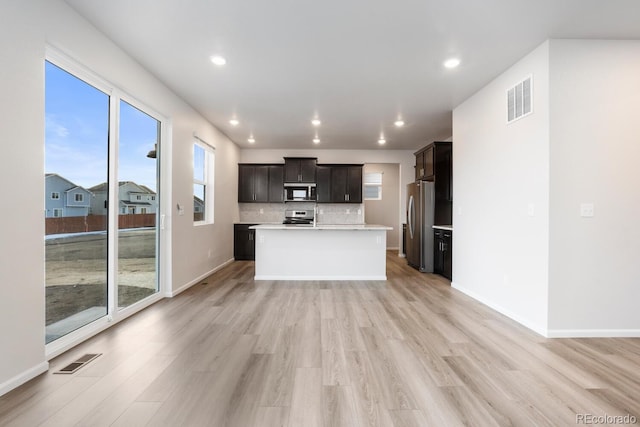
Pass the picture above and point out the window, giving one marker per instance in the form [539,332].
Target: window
[55,195]
[373,186]
[138,197]
[57,212]
[143,210]
[79,197]
[153,197]
[203,174]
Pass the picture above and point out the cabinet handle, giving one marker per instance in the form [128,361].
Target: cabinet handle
[250,237]
[348,198]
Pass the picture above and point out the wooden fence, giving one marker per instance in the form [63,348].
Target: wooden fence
[83,224]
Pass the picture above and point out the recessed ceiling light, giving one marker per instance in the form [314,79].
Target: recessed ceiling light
[399,123]
[316,140]
[251,140]
[218,60]
[316,122]
[452,62]
[382,141]
[234,122]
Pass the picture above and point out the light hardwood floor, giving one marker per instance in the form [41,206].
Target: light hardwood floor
[409,351]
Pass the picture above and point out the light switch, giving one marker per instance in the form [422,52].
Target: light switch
[586,210]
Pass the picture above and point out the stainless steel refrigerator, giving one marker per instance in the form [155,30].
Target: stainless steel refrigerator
[420,215]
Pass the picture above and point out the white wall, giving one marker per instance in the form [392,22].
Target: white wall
[386,211]
[25,28]
[404,158]
[595,147]
[500,253]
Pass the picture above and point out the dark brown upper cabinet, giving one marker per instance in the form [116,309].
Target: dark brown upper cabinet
[300,169]
[258,183]
[339,184]
[435,163]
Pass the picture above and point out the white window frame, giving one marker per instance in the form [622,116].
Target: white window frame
[115,315]
[373,183]
[55,195]
[208,182]
[78,197]
[58,210]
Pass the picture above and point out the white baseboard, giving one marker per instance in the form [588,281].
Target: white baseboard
[171,294]
[593,333]
[524,322]
[22,378]
[304,278]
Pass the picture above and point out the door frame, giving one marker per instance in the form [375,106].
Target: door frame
[163,254]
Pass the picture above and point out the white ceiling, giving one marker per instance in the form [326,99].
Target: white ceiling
[357,64]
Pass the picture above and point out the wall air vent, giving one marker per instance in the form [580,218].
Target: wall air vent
[520,100]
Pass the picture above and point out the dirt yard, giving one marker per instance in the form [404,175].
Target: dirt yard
[76,271]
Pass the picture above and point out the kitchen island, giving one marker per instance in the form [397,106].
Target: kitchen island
[321,252]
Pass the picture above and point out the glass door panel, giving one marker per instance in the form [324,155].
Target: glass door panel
[139,134]
[76,176]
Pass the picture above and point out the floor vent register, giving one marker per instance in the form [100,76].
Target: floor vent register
[79,363]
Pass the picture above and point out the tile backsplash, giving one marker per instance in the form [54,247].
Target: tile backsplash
[328,213]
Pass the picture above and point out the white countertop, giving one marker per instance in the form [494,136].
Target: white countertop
[365,227]
[442,227]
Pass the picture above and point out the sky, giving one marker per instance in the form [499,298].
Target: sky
[77,129]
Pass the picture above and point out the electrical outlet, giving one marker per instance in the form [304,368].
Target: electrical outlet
[321,211]
[586,210]
[359,211]
[261,211]
[348,211]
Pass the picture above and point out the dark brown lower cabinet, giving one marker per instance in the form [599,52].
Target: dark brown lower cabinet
[442,253]
[244,244]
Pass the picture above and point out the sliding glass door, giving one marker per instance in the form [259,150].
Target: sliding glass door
[101,202]
[137,205]
[76,162]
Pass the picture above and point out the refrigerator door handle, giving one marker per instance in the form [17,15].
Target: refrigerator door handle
[411,216]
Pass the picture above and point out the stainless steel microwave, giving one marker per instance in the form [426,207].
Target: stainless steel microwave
[299,192]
